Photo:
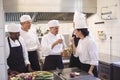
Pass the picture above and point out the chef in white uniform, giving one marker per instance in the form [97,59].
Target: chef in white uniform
[31,39]
[16,52]
[86,49]
[52,46]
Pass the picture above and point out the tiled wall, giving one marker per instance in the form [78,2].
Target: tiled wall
[110,28]
[3,73]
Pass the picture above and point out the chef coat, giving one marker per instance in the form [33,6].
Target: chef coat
[31,40]
[47,42]
[87,51]
[16,44]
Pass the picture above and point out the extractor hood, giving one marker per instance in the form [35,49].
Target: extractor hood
[39,5]
[41,10]
[39,16]
[85,6]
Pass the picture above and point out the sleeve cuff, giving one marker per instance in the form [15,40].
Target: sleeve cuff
[27,62]
[94,63]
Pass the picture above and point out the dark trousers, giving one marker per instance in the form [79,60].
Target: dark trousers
[52,62]
[33,57]
[86,67]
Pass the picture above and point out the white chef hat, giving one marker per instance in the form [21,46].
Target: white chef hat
[13,28]
[53,23]
[24,18]
[79,20]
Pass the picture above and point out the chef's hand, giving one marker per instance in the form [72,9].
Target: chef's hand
[41,61]
[29,68]
[72,40]
[57,42]
[90,72]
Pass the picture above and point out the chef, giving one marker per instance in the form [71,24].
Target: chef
[52,46]
[86,49]
[16,52]
[31,40]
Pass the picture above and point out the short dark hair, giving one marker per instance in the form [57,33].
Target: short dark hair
[84,31]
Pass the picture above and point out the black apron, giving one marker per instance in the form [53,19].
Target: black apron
[33,57]
[53,62]
[15,60]
[74,61]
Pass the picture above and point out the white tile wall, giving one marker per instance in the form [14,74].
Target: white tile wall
[1,19]
[3,70]
[1,37]
[2,60]
[3,73]
[110,27]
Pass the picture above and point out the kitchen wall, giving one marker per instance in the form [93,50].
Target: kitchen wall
[109,27]
[3,73]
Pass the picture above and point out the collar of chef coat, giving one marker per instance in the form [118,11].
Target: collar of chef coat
[14,43]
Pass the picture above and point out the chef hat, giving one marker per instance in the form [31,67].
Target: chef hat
[24,18]
[79,20]
[53,23]
[13,28]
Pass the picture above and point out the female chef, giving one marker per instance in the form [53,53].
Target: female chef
[86,49]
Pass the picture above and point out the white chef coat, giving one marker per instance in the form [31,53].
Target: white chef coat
[15,44]
[47,42]
[87,51]
[31,40]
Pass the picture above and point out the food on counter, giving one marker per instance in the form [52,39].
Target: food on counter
[73,74]
[37,75]
[77,73]
[67,52]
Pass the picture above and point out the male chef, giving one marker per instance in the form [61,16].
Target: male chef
[16,52]
[28,32]
[52,46]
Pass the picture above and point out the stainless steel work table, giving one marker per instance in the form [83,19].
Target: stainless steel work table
[65,74]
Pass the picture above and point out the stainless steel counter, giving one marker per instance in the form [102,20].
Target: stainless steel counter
[106,58]
[65,74]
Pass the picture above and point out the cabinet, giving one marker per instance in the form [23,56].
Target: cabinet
[109,71]
[116,71]
[104,71]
